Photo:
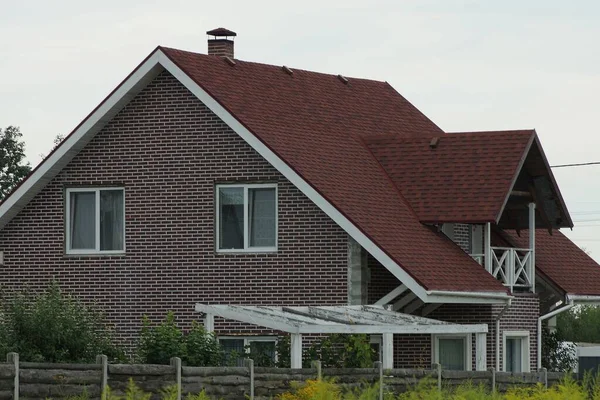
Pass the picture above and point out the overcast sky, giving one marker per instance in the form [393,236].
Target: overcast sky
[468,65]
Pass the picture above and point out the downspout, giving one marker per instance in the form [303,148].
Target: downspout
[568,306]
[500,315]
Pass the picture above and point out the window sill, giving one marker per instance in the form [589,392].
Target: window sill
[96,254]
[247,251]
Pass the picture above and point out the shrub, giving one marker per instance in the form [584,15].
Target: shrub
[341,351]
[202,347]
[54,327]
[158,344]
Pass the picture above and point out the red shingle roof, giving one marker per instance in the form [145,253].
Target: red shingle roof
[316,123]
[562,262]
[464,178]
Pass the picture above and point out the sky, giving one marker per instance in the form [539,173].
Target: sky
[468,65]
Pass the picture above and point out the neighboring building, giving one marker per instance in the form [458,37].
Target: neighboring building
[206,179]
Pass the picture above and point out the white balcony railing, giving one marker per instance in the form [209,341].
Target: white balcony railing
[512,266]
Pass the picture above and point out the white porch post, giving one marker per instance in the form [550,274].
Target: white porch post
[480,351]
[387,350]
[296,350]
[487,249]
[532,245]
[209,323]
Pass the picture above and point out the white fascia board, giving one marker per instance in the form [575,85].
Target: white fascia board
[298,181]
[245,315]
[397,329]
[77,139]
[445,296]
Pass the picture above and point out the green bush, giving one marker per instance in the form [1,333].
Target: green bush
[341,351]
[158,344]
[54,327]
[202,347]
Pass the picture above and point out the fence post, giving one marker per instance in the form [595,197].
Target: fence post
[14,358]
[438,368]
[317,364]
[103,360]
[250,365]
[379,366]
[176,362]
[544,372]
[493,371]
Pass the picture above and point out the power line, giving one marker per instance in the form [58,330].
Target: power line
[575,165]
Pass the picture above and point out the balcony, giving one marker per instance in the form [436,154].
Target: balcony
[514,267]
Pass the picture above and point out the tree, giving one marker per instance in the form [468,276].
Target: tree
[55,143]
[579,324]
[557,355]
[13,167]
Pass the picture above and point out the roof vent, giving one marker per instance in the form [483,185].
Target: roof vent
[343,79]
[221,43]
[434,142]
[287,70]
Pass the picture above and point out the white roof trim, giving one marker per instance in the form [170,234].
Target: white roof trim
[129,88]
[337,319]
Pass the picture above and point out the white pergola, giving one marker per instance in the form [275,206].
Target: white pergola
[368,319]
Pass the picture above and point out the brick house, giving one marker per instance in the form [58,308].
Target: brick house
[207,179]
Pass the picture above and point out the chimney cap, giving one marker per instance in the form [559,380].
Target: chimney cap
[221,32]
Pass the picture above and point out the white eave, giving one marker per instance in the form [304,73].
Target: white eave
[365,319]
[129,88]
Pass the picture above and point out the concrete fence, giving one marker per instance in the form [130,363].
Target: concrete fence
[28,381]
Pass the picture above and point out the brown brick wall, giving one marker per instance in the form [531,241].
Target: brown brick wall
[410,350]
[168,151]
[521,315]
[462,236]
[381,281]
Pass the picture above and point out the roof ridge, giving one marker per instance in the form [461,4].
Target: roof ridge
[302,70]
[506,131]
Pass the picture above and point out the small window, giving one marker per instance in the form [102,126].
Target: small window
[247,217]
[261,349]
[516,351]
[452,352]
[95,220]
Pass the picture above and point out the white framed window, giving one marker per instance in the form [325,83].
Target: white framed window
[246,218]
[453,352]
[515,351]
[264,349]
[95,220]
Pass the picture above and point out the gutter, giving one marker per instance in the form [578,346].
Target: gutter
[577,298]
[500,315]
[567,307]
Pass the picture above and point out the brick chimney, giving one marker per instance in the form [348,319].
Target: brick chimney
[221,42]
